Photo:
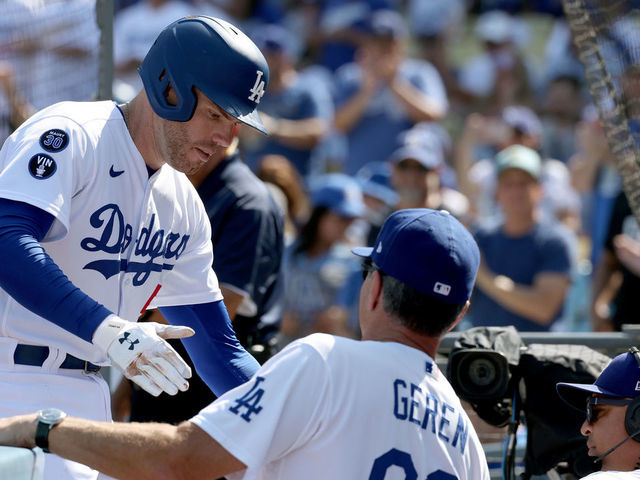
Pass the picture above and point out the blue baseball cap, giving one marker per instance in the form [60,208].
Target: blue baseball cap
[428,250]
[620,379]
[339,193]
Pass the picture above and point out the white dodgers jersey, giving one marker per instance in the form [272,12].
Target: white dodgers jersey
[126,239]
[331,407]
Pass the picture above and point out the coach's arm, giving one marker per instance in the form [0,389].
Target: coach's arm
[136,451]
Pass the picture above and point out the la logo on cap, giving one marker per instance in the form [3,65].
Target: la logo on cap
[379,249]
[638,385]
[442,288]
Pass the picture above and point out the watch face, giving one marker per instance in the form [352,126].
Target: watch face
[51,415]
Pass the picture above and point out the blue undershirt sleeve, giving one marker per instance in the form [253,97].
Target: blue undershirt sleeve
[34,280]
[219,358]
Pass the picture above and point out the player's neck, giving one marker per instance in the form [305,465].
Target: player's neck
[400,334]
[140,122]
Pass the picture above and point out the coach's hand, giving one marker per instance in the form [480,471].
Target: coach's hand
[140,352]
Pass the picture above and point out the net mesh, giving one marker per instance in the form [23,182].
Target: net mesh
[606,34]
[48,53]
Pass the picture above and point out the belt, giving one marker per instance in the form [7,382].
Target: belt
[35,355]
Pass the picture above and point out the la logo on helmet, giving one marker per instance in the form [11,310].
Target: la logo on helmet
[257,91]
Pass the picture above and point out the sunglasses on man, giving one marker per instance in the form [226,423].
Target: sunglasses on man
[368,266]
[592,413]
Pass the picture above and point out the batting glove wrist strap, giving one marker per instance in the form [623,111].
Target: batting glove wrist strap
[107,331]
[142,355]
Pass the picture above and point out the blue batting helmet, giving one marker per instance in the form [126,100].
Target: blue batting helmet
[212,55]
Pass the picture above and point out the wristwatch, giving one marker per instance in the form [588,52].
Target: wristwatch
[47,419]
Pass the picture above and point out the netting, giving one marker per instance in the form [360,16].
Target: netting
[606,34]
[48,53]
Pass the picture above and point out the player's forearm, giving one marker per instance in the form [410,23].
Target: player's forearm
[121,450]
[220,360]
[129,451]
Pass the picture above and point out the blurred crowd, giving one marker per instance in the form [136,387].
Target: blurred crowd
[479,108]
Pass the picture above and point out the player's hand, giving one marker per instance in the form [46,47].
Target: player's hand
[140,352]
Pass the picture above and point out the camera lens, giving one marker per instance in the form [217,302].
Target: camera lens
[482,371]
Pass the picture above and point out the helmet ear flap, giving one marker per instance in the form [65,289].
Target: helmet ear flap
[180,95]
[160,79]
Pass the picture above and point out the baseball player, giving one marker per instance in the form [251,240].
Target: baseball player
[98,222]
[325,406]
[612,424]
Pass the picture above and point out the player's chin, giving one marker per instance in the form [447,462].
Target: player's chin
[192,162]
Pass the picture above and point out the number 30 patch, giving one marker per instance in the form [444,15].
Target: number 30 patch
[54,140]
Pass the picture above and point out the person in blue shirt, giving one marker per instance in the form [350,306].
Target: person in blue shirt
[526,262]
[384,93]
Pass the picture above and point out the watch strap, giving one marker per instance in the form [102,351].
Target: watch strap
[42,435]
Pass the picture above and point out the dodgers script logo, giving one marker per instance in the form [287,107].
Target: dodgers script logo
[115,236]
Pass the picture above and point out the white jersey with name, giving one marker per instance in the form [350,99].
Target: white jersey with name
[126,239]
[331,407]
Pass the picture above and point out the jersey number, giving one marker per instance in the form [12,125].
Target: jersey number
[54,142]
[403,460]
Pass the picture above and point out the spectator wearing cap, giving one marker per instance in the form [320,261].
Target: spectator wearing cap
[527,261]
[481,138]
[416,178]
[612,407]
[319,262]
[383,92]
[500,75]
[298,114]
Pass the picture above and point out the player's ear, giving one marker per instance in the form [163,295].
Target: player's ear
[170,95]
[375,291]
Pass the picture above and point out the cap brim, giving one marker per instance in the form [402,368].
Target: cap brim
[575,394]
[253,120]
[230,105]
[364,252]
